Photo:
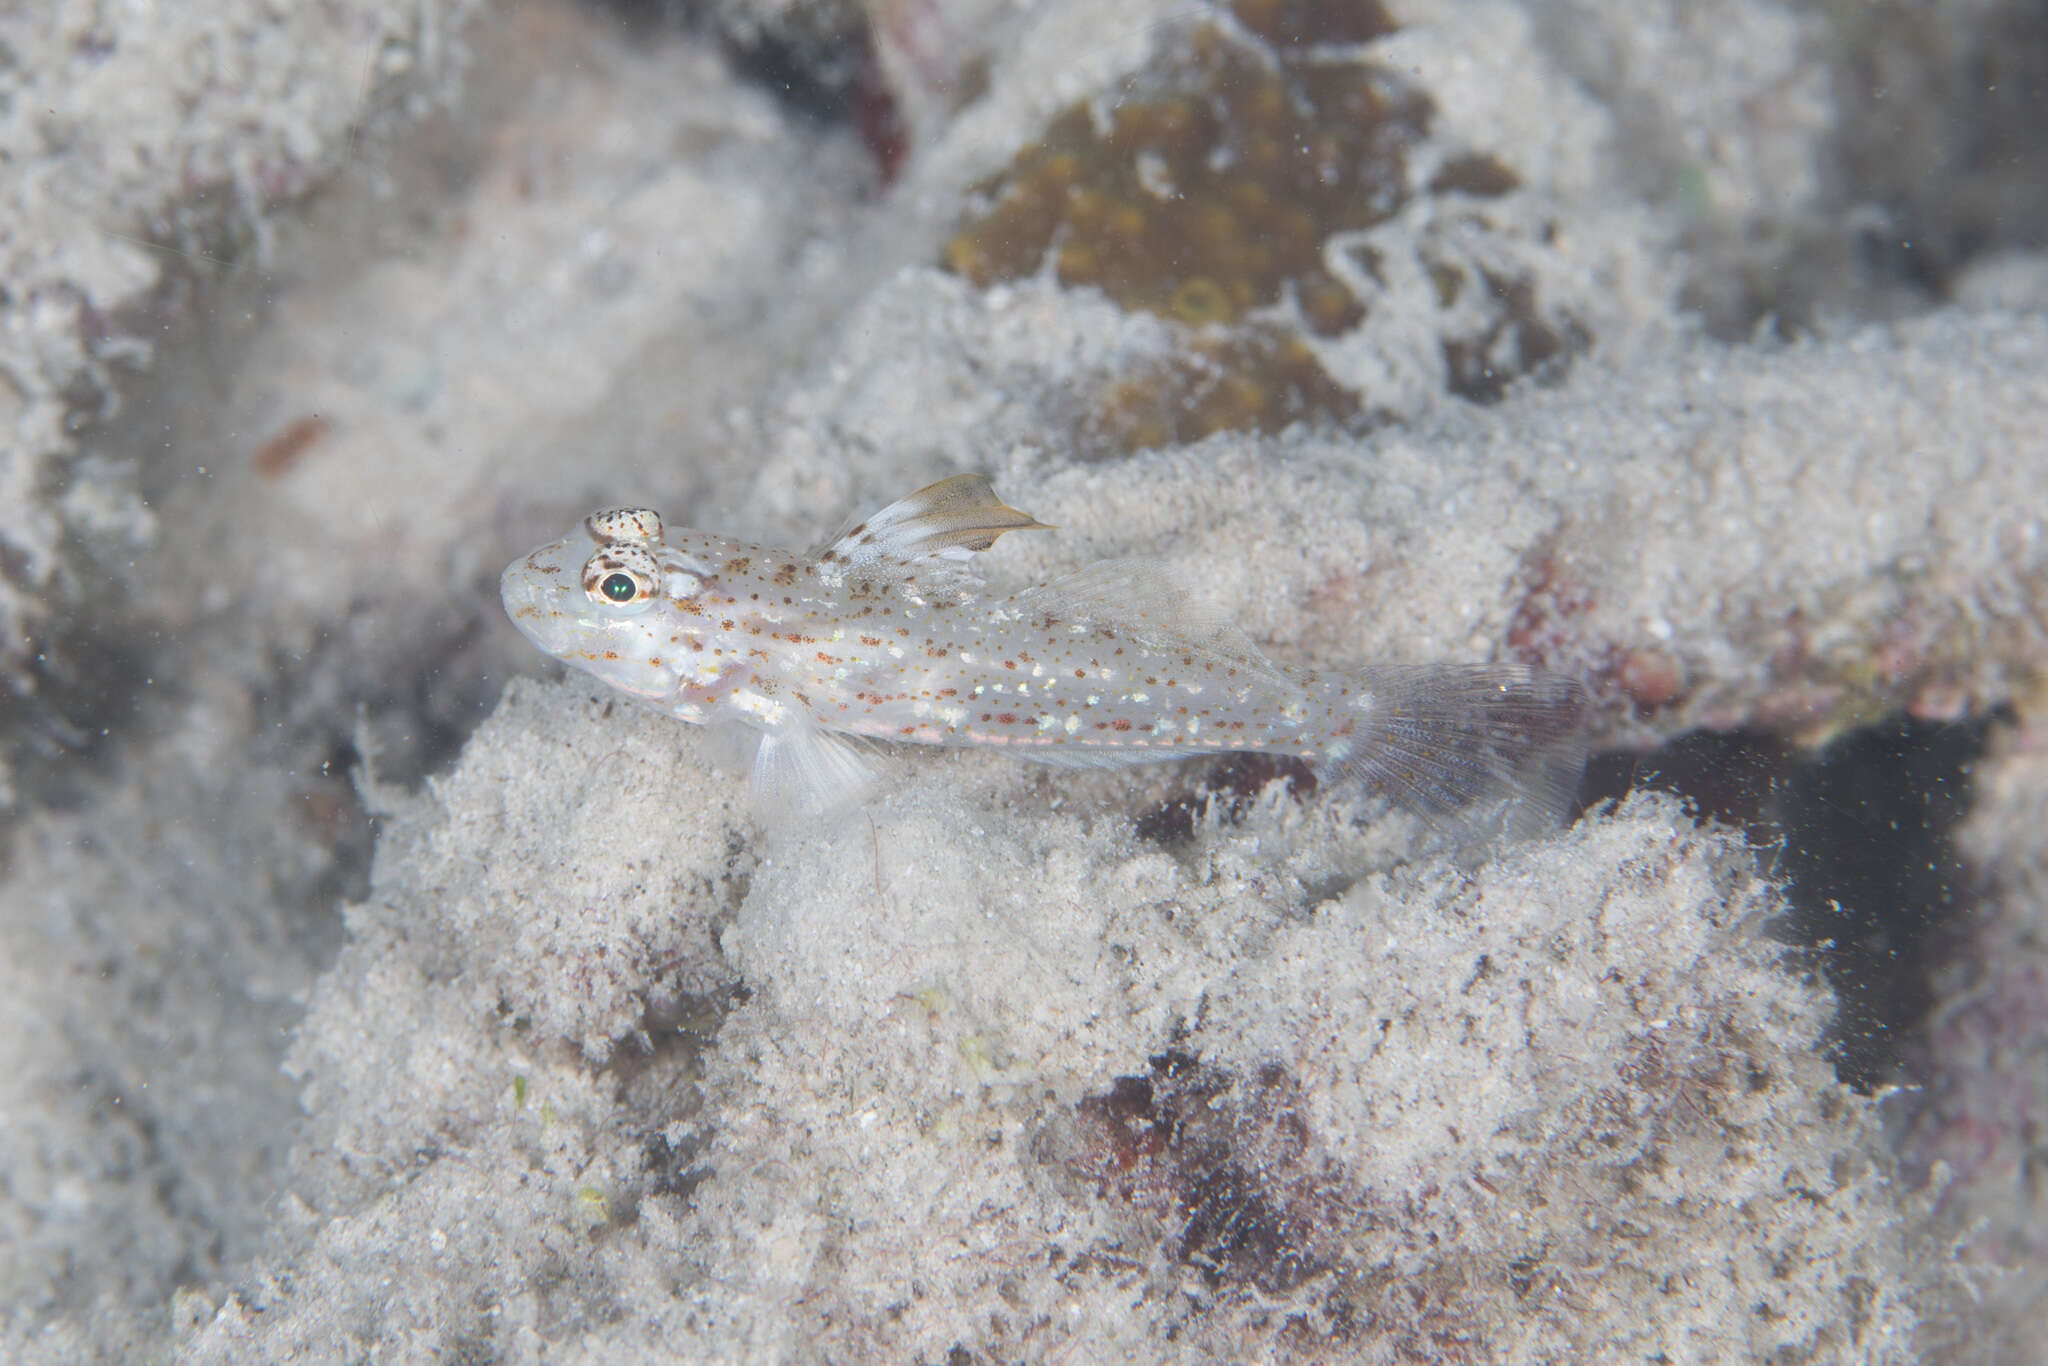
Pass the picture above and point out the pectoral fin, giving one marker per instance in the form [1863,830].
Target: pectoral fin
[804,773]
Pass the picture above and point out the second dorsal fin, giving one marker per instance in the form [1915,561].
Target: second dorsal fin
[1141,596]
[954,518]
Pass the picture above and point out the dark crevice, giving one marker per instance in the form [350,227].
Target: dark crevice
[819,62]
[1940,134]
[813,60]
[1229,788]
[1728,777]
[671,1165]
[1860,832]
[82,689]
[657,1073]
[1225,1160]
[1874,877]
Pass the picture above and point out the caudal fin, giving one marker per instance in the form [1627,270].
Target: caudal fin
[1451,740]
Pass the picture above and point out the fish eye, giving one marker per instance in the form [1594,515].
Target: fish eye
[621,576]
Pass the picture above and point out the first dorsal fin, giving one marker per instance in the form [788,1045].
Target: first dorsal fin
[953,518]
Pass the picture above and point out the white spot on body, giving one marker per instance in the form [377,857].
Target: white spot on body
[758,707]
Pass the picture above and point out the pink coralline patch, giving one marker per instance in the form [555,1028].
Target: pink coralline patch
[279,181]
[879,120]
[1990,1098]
[1806,664]
[1550,629]
[1651,678]
[1903,649]
[922,60]
[1545,629]
[1795,706]
[1940,700]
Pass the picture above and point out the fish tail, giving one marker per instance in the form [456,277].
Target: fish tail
[1448,741]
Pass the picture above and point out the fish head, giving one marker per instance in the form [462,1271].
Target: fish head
[611,598]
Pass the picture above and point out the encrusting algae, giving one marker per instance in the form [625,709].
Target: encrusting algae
[1209,194]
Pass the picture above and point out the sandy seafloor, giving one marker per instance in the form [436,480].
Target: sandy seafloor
[372,992]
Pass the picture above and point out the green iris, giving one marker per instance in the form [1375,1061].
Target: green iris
[619,587]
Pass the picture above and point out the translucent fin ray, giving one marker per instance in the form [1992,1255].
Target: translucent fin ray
[804,773]
[1138,596]
[1446,741]
[953,518]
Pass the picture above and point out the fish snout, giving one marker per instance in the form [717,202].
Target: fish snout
[532,589]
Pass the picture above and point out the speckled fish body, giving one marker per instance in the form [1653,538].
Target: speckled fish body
[883,635]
